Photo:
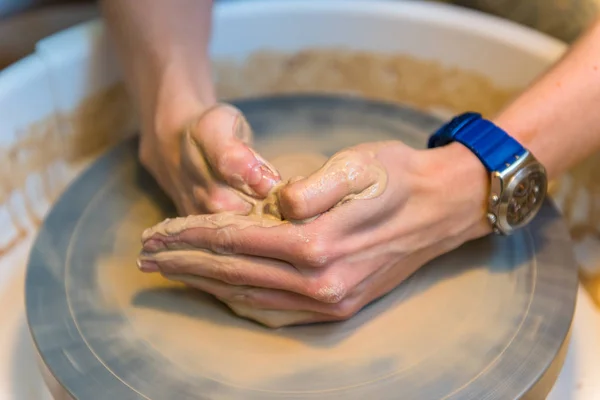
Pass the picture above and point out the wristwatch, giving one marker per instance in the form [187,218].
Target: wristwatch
[518,180]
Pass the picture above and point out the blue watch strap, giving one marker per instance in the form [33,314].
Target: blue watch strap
[493,146]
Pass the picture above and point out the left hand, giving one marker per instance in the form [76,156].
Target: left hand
[383,210]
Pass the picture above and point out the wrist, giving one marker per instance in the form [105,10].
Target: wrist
[180,93]
[540,137]
[464,185]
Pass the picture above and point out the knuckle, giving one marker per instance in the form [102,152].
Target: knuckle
[223,241]
[331,289]
[315,253]
[354,164]
[345,309]
[214,205]
[353,172]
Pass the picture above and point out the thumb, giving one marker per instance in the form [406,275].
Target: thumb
[349,174]
[224,136]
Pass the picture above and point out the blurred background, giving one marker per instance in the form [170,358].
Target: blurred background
[23,22]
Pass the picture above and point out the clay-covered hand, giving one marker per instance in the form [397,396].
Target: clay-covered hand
[382,211]
[208,165]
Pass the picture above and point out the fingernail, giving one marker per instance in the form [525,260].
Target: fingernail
[269,175]
[259,173]
[147,266]
[265,163]
[263,171]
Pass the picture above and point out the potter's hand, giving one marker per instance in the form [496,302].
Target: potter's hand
[163,50]
[384,210]
[204,167]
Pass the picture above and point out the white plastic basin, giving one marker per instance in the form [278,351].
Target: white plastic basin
[73,65]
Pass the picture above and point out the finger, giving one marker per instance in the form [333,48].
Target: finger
[236,298]
[347,175]
[318,284]
[298,245]
[277,318]
[219,198]
[222,136]
[373,288]
[256,297]
[233,270]
[276,309]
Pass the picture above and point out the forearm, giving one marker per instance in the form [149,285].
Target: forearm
[163,50]
[558,117]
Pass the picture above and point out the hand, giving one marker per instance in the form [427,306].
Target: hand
[383,210]
[208,166]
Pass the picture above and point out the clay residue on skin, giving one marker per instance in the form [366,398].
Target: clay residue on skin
[173,226]
[264,212]
[360,171]
[351,168]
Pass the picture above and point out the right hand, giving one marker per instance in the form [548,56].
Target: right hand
[208,166]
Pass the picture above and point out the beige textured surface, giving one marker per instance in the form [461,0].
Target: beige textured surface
[46,156]
[423,84]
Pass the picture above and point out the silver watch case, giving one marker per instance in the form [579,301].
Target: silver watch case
[516,194]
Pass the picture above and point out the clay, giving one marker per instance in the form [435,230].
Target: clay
[265,212]
[432,85]
[53,150]
[290,167]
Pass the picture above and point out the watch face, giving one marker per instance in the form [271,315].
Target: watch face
[527,196]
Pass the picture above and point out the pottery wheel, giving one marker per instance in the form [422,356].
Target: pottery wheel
[486,321]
